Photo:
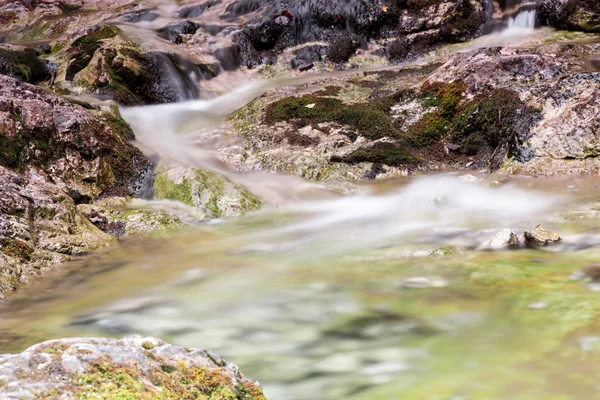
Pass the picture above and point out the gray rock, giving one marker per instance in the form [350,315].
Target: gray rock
[502,240]
[146,360]
[538,306]
[422,282]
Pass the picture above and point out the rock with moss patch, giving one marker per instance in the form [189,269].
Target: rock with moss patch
[134,367]
[25,64]
[39,226]
[119,216]
[199,188]
[581,15]
[86,152]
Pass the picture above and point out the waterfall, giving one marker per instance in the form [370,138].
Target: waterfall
[523,20]
[520,16]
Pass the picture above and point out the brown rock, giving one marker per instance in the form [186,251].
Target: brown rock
[540,237]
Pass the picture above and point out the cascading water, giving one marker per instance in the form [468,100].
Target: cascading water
[521,16]
[523,20]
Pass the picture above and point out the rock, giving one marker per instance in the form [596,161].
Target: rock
[24,64]
[503,239]
[119,216]
[577,276]
[540,237]
[115,68]
[271,29]
[588,343]
[145,367]
[173,32]
[341,48]
[83,151]
[538,306]
[422,282]
[198,188]
[592,272]
[570,14]
[39,226]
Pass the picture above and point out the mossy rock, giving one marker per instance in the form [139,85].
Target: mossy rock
[200,188]
[82,49]
[382,152]
[369,120]
[23,64]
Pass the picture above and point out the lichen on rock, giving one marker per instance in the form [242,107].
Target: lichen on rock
[134,367]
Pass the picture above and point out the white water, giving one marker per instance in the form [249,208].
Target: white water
[439,210]
[523,20]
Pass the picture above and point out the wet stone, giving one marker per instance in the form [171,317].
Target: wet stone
[503,240]
[538,306]
[540,237]
[422,282]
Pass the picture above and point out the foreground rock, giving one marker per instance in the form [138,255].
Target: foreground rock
[55,154]
[134,367]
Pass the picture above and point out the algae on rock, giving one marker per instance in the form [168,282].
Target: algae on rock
[199,188]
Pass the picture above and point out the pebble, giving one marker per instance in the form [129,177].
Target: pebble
[588,343]
[538,306]
[422,282]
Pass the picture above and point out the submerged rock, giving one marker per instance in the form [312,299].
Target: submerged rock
[134,367]
[422,282]
[540,237]
[199,188]
[502,240]
[592,272]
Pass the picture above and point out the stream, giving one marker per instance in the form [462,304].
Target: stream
[388,293]
[385,294]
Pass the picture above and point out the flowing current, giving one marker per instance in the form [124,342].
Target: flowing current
[385,294]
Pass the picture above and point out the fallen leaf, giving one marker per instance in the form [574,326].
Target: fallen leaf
[311,105]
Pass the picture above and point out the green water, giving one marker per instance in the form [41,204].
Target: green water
[309,323]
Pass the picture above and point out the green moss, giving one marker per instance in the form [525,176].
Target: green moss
[428,130]
[106,381]
[165,188]
[167,368]
[370,121]
[118,125]
[16,248]
[147,345]
[383,153]
[84,47]
[24,64]
[83,104]
[489,120]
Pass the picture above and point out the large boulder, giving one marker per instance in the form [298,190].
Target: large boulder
[134,367]
[85,152]
[104,62]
